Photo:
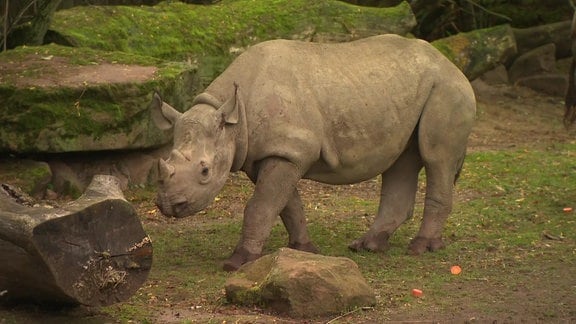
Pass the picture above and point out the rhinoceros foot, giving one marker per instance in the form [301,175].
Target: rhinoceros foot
[371,242]
[307,247]
[420,245]
[238,258]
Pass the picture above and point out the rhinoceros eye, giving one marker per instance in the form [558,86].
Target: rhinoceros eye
[205,171]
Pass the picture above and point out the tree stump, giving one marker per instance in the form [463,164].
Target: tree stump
[92,251]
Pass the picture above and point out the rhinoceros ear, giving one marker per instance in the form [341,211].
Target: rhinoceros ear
[230,109]
[163,115]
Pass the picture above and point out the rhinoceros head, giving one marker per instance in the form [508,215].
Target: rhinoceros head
[201,158]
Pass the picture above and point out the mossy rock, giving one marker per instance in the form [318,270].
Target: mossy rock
[479,51]
[63,99]
[177,31]
[32,177]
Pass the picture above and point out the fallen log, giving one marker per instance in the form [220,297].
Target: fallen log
[556,33]
[92,251]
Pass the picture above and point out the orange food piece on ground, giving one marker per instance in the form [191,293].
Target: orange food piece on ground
[568,209]
[417,292]
[455,270]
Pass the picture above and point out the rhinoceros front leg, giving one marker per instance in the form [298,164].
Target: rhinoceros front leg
[399,186]
[294,220]
[275,184]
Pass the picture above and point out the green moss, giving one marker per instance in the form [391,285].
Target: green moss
[248,297]
[453,47]
[59,114]
[487,45]
[62,118]
[178,31]
[30,176]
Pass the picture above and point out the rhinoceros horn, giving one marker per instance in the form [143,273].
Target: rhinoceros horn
[165,170]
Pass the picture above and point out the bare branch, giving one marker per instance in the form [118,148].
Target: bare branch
[490,11]
[5,35]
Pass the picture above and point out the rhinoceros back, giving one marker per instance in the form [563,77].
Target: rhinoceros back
[351,106]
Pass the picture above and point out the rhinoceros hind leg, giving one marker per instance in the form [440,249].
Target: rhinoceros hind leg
[399,185]
[445,125]
[419,245]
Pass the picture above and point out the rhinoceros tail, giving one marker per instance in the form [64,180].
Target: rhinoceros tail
[570,98]
[460,165]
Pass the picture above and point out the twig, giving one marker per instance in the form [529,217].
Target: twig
[8,29]
[77,102]
[490,11]
[5,36]
[348,314]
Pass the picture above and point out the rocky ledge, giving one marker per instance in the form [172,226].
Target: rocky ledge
[60,99]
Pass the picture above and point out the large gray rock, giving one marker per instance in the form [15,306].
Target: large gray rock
[300,284]
[557,33]
[553,84]
[537,69]
[540,60]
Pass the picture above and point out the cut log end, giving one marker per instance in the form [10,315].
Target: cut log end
[105,279]
[93,251]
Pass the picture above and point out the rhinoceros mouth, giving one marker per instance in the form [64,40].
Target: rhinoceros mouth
[162,202]
[178,209]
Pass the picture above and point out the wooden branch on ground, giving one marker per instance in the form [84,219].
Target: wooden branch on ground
[91,251]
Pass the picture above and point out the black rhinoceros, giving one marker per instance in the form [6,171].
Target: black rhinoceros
[334,113]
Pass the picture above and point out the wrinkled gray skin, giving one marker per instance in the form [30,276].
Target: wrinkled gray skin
[333,113]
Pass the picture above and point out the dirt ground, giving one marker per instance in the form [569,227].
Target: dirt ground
[44,70]
[508,117]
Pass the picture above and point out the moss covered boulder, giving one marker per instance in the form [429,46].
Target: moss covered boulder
[177,31]
[62,99]
[479,51]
